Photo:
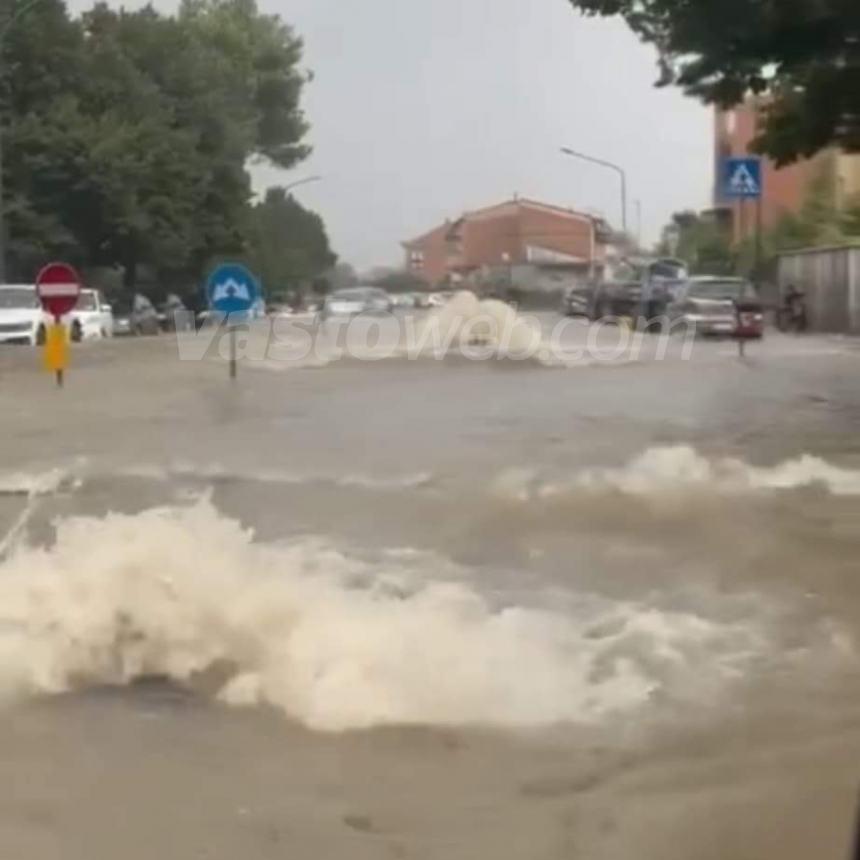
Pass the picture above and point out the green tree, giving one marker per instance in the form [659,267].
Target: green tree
[290,246]
[703,242]
[41,69]
[803,54]
[129,133]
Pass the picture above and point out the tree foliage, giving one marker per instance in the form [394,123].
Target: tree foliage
[803,55]
[706,244]
[703,242]
[290,246]
[127,135]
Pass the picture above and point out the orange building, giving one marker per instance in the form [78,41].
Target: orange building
[784,189]
[515,235]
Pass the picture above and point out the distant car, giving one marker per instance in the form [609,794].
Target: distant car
[576,301]
[403,300]
[355,301]
[615,299]
[91,318]
[173,315]
[439,299]
[709,306]
[422,300]
[138,318]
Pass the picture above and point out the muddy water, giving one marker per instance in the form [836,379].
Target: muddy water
[430,608]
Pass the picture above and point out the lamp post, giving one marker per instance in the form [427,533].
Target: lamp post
[638,204]
[619,170]
[299,182]
[4,31]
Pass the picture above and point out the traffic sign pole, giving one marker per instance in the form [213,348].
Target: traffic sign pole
[232,292]
[233,370]
[758,241]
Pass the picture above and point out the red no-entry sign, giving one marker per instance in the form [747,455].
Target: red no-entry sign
[58,287]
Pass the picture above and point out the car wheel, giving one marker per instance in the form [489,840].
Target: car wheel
[77,332]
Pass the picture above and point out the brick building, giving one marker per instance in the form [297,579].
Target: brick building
[785,189]
[531,245]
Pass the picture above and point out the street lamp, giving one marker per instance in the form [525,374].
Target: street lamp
[619,170]
[299,182]
[4,31]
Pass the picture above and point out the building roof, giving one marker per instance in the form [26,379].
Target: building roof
[512,206]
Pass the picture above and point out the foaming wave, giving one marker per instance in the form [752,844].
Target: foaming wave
[681,468]
[468,323]
[332,641]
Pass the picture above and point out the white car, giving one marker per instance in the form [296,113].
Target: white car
[22,319]
[91,318]
[355,301]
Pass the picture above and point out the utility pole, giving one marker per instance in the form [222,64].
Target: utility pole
[5,27]
[619,170]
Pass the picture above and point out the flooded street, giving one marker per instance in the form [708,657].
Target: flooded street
[431,608]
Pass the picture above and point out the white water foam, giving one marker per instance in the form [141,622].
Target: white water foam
[330,640]
[681,468]
[466,321]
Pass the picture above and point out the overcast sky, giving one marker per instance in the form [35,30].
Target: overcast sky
[421,109]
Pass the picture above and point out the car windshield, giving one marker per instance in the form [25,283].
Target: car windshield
[86,301]
[18,298]
[717,290]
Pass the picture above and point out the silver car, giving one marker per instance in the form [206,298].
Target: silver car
[355,301]
[707,304]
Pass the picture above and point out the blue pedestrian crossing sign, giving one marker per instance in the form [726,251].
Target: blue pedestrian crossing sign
[742,178]
[232,289]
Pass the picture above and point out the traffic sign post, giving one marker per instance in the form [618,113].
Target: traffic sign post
[742,180]
[58,287]
[232,291]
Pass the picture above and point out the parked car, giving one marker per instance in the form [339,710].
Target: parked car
[615,299]
[22,319]
[403,300]
[709,305]
[173,315]
[439,299]
[91,318]
[577,300]
[138,318]
[354,301]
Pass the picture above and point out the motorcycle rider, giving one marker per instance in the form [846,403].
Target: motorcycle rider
[795,307]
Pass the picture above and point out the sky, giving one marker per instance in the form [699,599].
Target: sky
[423,110]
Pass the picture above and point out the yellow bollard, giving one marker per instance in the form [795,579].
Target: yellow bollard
[56,354]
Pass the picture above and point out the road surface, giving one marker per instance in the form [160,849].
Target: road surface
[430,608]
